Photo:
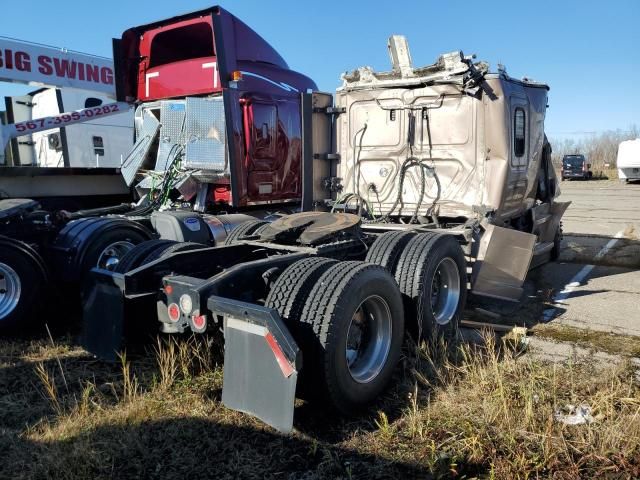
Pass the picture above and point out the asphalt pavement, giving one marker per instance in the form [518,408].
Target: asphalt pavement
[601,207]
[596,283]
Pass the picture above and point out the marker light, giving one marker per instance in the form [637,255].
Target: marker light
[168,289]
[236,75]
[174,312]
[186,304]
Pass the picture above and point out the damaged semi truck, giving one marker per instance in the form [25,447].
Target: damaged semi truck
[415,187]
[183,165]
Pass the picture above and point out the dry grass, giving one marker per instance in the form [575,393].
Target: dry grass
[480,412]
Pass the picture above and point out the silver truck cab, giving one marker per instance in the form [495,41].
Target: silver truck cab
[453,143]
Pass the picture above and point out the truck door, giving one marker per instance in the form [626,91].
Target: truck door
[272,131]
[20,109]
[519,154]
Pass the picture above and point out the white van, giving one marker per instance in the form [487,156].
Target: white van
[629,160]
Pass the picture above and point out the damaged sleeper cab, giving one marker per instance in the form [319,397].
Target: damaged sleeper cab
[453,145]
[418,185]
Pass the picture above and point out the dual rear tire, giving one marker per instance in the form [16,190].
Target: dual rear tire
[245,229]
[348,319]
[430,270]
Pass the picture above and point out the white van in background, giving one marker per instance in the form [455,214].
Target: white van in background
[628,162]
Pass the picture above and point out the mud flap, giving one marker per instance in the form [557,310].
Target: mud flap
[103,315]
[261,362]
[109,317]
[502,262]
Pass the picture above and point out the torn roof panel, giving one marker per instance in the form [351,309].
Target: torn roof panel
[450,68]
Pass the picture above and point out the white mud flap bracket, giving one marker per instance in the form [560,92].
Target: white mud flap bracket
[261,362]
[502,262]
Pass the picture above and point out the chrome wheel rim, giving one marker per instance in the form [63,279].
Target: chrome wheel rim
[113,253]
[368,339]
[10,289]
[445,291]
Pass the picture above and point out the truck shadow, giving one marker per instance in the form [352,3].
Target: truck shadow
[193,448]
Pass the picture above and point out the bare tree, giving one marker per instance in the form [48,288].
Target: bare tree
[601,149]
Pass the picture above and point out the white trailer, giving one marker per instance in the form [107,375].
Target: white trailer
[80,160]
[628,161]
[96,143]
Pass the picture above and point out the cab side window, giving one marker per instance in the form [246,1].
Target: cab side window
[264,130]
[519,132]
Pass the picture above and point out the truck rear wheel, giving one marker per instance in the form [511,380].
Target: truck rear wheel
[291,289]
[432,278]
[95,242]
[386,249]
[136,256]
[351,332]
[22,280]
[245,229]
[175,248]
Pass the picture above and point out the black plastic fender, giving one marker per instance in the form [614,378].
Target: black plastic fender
[70,246]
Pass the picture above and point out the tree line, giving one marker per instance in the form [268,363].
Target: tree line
[601,149]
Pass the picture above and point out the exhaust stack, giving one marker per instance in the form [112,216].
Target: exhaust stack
[400,55]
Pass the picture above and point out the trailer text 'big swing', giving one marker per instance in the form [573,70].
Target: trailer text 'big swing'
[411,187]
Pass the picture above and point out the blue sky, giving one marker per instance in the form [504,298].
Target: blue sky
[587,51]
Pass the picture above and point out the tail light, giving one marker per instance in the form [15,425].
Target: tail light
[174,312]
[199,323]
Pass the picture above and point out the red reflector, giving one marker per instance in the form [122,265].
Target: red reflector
[285,365]
[174,312]
[199,321]
[168,289]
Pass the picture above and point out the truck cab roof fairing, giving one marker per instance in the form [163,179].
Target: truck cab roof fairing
[233,43]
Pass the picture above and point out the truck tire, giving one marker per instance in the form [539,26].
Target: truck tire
[169,249]
[386,249]
[94,242]
[23,277]
[136,256]
[431,274]
[345,364]
[245,229]
[557,245]
[291,289]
